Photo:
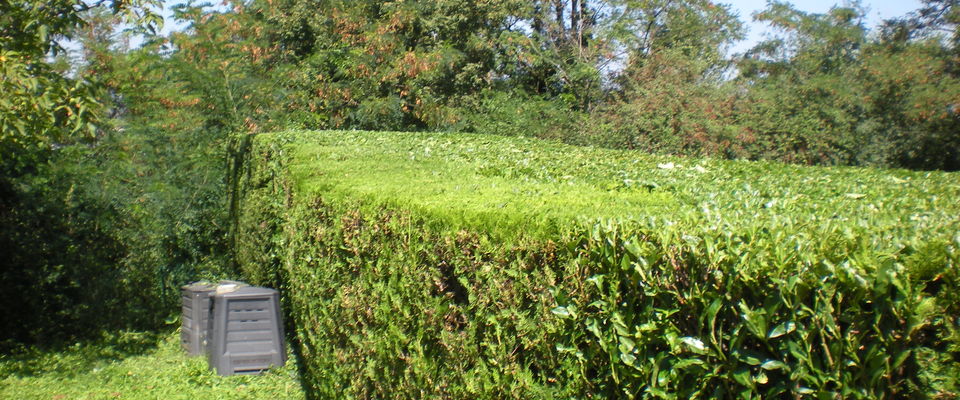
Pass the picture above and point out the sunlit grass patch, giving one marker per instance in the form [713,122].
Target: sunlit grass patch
[133,365]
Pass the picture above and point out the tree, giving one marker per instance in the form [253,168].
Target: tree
[936,19]
[825,92]
[384,65]
[55,225]
[800,103]
[670,96]
[40,107]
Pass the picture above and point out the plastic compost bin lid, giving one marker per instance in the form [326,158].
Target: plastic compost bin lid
[199,286]
[204,286]
[244,291]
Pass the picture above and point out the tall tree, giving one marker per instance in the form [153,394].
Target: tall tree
[387,64]
[826,92]
[55,225]
[934,19]
[40,107]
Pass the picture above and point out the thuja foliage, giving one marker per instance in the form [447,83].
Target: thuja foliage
[443,265]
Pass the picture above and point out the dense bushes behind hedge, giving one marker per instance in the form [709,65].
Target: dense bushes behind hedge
[437,265]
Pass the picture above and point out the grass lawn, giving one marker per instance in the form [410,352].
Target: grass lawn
[133,365]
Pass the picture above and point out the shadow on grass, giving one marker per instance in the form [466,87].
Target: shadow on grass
[80,357]
[304,377]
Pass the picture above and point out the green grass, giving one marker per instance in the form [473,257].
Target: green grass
[133,365]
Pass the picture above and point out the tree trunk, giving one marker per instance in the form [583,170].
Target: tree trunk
[537,20]
[586,22]
[558,8]
[575,28]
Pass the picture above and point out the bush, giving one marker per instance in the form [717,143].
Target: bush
[59,275]
[518,114]
[101,238]
[672,104]
[439,265]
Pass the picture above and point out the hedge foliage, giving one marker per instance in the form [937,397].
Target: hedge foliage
[428,265]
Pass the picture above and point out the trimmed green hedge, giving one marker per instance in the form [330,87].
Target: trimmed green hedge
[426,265]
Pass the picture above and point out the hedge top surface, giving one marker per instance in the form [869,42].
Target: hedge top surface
[499,182]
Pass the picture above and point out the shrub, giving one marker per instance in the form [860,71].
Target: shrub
[441,265]
[518,114]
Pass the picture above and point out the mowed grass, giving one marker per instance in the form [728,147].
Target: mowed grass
[133,365]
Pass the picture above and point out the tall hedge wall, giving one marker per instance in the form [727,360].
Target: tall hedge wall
[424,265]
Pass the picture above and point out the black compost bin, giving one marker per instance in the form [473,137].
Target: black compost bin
[245,333]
